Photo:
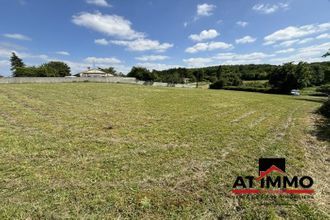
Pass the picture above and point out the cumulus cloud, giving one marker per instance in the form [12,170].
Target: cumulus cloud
[306,40]
[243,57]
[205,9]
[289,50]
[270,8]
[102,60]
[119,27]
[143,45]
[151,58]
[311,53]
[228,58]
[101,41]
[208,47]
[204,35]
[294,32]
[245,40]
[102,3]
[111,25]
[65,53]
[17,36]
[157,66]
[199,61]
[5,52]
[242,23]
[323,36]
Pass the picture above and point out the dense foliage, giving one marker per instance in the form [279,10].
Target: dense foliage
[319,73]
[51,69]
[289,76]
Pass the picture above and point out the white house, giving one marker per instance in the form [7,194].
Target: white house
[94,73]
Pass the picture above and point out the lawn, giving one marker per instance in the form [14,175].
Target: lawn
[93,150]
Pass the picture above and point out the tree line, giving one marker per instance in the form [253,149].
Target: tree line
[281,76]
[50,69]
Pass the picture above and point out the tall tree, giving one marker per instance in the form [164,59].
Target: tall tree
[16,62]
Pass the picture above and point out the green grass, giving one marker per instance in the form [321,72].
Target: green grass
[171,153]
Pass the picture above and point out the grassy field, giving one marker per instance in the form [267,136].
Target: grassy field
[86,150]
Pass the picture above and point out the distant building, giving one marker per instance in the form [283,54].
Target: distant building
[94,73]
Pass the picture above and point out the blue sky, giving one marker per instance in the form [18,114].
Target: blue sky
[160,34]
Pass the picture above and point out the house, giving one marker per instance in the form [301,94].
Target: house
[94,73]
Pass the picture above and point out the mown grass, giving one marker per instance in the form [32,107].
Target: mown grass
[86,150]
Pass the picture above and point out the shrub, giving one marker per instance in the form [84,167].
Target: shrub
[226,80]
[217,85]
[324,89]
[325,109]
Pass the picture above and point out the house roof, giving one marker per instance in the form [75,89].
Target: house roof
[93,71]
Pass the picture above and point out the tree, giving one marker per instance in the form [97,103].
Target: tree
[56,69]
[16,62]
[141,73]
[199,75]
[109,70]
[303,74]
[283,78]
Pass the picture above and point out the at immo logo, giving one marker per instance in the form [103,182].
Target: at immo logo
[272,179]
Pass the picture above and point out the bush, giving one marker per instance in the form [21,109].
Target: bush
[325,109]
[217,85]
[256,84]
[227,80]
[324,89]
[250,89]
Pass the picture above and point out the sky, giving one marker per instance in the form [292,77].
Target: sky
[162,34]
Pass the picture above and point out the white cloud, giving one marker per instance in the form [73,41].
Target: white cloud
[205,9]
[245,40]
[293,32]
[287,43]
[289,50]
[102,60]
[270,8]
[17,36]
[228,58]
[242,23]
[306,40]
[5,52]
[65,53]
[157,66]
[151,58]
[4,63]
[323,36]
[111,25]
[143,45]
[198,62]
[204,35]
[246,57]
[185,24]
[101,41]
[102,3]
[208,46]
[311,53]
